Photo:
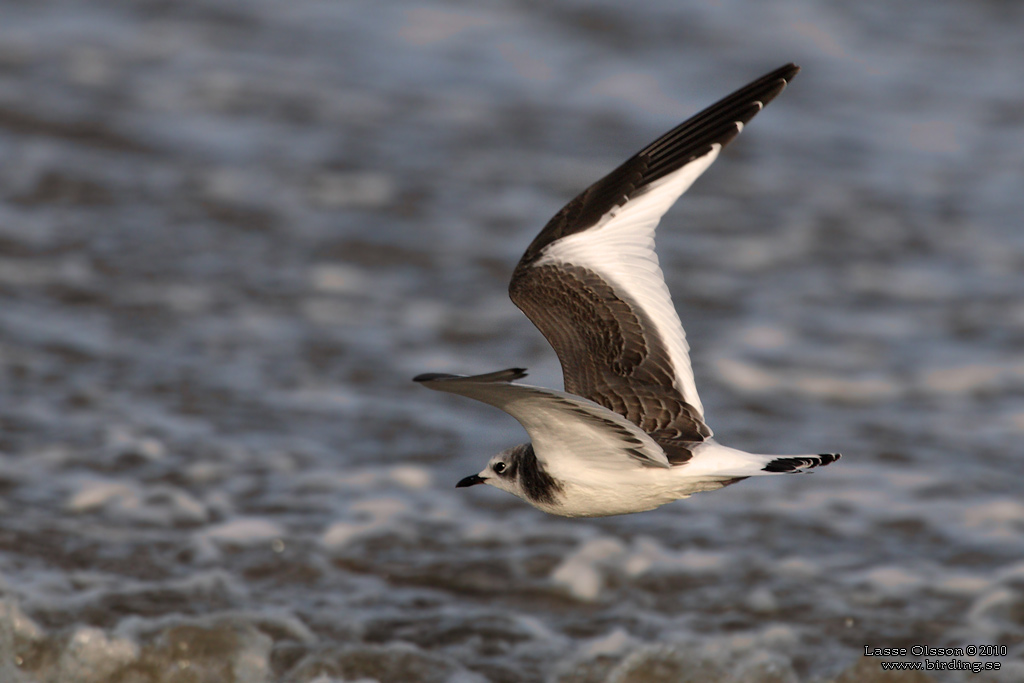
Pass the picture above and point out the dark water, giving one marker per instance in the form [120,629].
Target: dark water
[231,232]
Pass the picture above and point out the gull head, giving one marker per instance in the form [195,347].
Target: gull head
[518,471]
[502,472]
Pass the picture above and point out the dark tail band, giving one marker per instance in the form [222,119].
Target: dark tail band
[800,464]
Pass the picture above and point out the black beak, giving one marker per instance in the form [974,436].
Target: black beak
[471,480]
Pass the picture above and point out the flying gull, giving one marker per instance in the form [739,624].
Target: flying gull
[628,433]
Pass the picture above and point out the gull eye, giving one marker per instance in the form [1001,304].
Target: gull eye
[499,467]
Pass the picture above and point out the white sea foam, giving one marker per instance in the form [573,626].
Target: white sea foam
[581,573]
[159,504]
[93,656]
[373,516]
[249,531]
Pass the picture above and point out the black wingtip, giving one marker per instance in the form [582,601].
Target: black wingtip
[714,125]
[431,376]
[789,70]
[509,375]
[785,72]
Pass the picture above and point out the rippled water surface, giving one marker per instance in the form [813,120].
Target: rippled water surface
[231,232]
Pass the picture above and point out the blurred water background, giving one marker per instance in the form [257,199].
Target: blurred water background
[231,232]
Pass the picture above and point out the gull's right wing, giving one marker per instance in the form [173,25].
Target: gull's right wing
[591,282]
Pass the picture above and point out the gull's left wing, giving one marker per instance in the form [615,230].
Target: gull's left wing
[581,432]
